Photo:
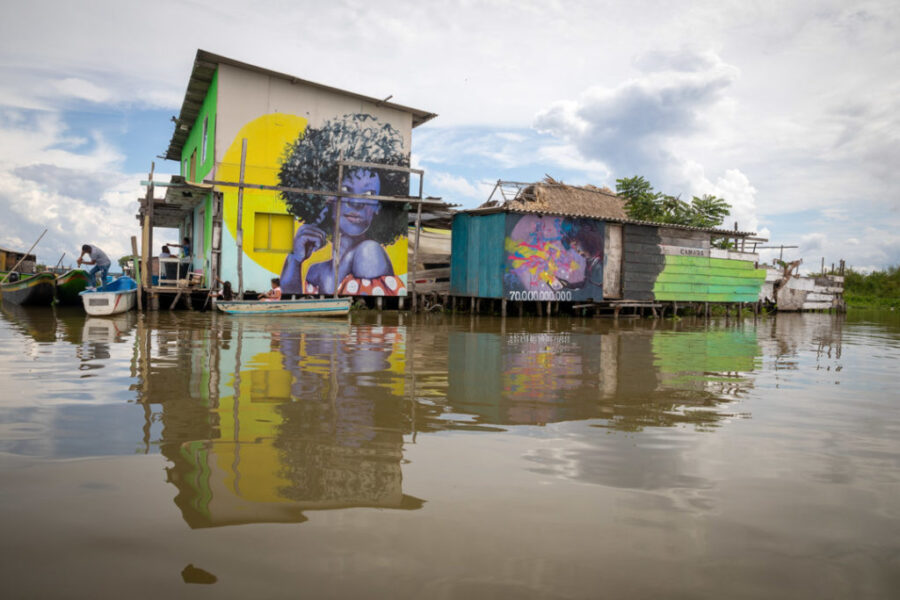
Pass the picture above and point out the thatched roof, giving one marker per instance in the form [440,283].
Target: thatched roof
[553,197]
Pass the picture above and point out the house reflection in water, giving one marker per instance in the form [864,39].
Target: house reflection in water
[630,378]
[265,420]
[306,416]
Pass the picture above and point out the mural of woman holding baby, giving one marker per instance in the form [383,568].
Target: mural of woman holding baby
[367,226]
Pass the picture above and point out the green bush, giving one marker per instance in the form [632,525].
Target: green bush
[875,289]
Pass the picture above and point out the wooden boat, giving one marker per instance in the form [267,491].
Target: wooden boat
[113,298]
[306,307]
[69,285]
[38,289]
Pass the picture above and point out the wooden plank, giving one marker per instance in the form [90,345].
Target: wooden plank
[646,259]
[424,274]
[426,258]
[633,249]
[633,276]
[814,297]
[817,305]
[433,286]
[612,261]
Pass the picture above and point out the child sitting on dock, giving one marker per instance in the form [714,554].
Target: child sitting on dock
[274,294]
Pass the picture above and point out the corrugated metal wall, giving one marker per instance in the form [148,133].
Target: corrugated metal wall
[478,259]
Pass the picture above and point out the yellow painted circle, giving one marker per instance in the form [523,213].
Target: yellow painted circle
[267,138]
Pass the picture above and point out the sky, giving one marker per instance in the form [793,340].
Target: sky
[790,111]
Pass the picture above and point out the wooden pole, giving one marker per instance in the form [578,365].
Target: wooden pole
[418,232]
[147,231]
[21,260]
[134,258]
[416,247]
[336,249]
[240,221]
[60,260]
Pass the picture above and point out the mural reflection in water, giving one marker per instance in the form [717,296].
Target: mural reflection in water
[265,420]
[629,378]
[309,416]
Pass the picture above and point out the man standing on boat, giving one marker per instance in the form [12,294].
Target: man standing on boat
[98,258]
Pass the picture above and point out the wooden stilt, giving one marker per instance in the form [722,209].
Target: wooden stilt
[503,308]
[379,302]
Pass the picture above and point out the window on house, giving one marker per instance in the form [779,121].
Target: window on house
[273,232]
[203,142]
[184,164]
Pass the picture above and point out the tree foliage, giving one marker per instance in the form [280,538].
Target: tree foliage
[644,203]
[878,288]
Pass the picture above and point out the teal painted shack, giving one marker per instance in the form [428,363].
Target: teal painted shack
[542,241]
[555,242]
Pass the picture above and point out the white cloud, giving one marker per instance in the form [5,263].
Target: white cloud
[458,190]
[79,194]
[635,127]
[84,90]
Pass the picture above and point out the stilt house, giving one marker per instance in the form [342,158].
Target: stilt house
[258,154]
[553,242]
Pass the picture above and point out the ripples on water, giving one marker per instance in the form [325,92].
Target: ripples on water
[537,457]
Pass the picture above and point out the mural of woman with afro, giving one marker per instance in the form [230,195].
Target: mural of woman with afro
[367,225]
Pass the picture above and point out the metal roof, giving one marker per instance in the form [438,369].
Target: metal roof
[205,64]
[720,232]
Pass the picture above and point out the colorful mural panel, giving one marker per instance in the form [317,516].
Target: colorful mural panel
[291,234]
[553,258]
[367,226]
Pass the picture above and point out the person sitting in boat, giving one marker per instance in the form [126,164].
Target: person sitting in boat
[226,293]
[274,294]
[165,252]
[98,258]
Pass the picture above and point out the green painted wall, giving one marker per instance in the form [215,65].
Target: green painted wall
[701,279]
[207,111]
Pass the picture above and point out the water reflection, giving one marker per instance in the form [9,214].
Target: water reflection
[262,420]
[630,378]
[300,415]
[36,323]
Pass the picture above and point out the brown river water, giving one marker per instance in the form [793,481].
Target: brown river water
[448,456]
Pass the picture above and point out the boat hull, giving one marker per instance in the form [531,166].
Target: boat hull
[111,299]
[69,285]
[36,290]
[307,307]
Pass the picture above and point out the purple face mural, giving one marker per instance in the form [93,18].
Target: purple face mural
[367,226]
[357,212]
[553,258]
